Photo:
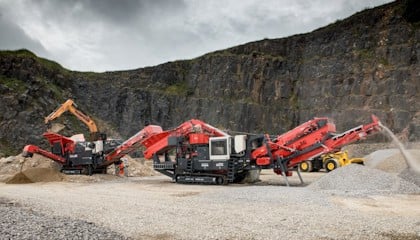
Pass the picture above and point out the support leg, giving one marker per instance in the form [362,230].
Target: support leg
[283,170]
[300,177]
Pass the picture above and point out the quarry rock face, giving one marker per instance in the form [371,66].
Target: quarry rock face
[366,64]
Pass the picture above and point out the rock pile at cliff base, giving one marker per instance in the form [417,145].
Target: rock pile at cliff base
[19,170]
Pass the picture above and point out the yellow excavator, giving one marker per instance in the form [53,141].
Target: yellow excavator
[329,162]
[70,106]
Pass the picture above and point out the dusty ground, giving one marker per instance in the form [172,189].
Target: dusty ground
[154,207]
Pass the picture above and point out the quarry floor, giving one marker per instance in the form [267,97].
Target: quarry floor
[156,208]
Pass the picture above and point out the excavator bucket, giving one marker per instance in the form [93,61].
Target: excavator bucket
[55,127]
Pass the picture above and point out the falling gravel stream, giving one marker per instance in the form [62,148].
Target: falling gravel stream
[411,161]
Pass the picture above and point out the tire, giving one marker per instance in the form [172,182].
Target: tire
[220,181]
[306,166]
[331,164]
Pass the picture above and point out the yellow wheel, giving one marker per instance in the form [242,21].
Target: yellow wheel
[306,166]
[331,164]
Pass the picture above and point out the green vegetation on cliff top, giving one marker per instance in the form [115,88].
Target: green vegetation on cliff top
[48,64]
[14,84]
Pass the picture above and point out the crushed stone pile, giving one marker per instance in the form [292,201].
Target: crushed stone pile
[19,178]
[362,149]
[377,159]
[17,169]
[392,161]
[137,167]
[356,179]
[36,175]
[410,176]
[12,165]
[22,222]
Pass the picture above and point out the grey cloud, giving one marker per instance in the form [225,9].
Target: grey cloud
[116,12]
[12,37]
[111,35]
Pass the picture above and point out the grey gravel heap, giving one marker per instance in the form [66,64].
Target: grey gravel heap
[410,176]
[356,179]
[18,222]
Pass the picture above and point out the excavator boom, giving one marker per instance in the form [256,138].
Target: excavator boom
[70,106]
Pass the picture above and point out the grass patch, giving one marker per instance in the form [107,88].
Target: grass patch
[365,53]
[14,84]
[20,53]
[51,65]
[179,89]
[48,64]
[92,75]
[384,61]
[56,90]
[58,93]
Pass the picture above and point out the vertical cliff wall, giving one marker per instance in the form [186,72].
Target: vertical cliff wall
[366,64]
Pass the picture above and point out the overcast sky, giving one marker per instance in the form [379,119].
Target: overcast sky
[100,35]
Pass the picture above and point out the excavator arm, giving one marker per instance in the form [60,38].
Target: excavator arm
[70,106]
